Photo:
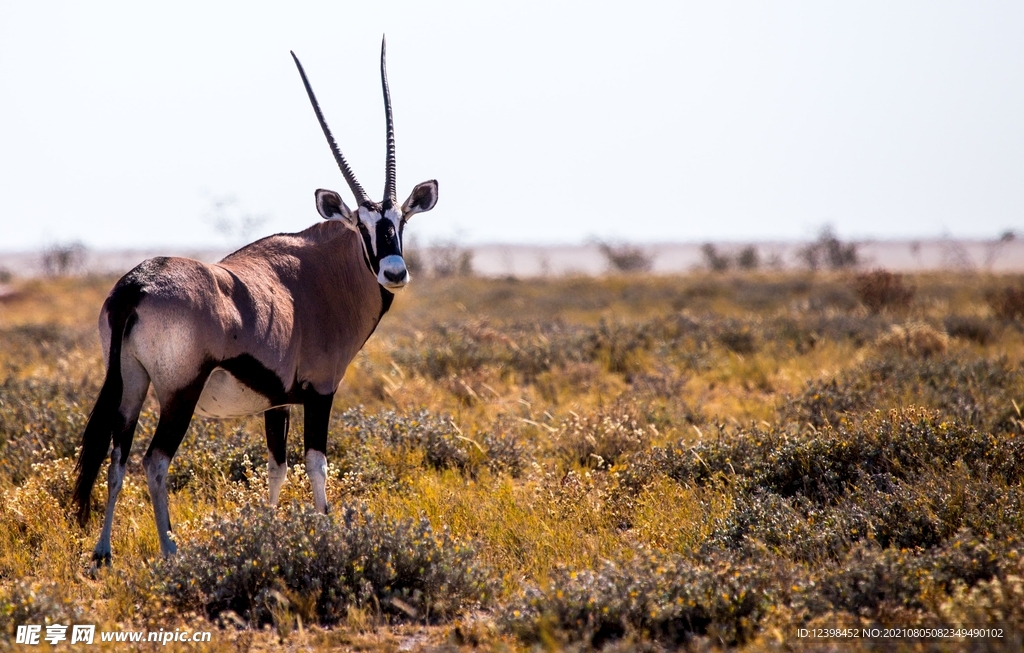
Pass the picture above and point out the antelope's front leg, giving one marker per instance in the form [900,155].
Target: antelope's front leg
[275,422]
[317,409]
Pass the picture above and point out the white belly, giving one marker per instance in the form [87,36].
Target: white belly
[225,396]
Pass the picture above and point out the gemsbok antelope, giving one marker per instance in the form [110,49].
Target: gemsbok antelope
[275,323]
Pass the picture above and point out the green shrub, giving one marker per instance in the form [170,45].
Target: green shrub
[668,599]
[404,570]
[871,577]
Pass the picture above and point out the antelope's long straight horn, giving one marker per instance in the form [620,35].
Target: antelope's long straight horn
[346,171]
[389,182]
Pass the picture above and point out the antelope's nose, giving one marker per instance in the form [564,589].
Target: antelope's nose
[393,273]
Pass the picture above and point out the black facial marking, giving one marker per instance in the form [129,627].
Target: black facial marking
[372,261]
[387,240]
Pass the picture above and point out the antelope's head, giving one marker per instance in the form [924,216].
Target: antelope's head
[380,225]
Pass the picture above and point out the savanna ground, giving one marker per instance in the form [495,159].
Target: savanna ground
[626,462]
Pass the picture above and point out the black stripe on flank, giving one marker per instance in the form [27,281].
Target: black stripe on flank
[257,377]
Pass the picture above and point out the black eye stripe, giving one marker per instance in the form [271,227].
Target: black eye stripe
[388,241]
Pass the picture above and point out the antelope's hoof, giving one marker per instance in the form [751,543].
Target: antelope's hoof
[100,559]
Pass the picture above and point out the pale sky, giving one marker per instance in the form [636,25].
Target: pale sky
[544,122]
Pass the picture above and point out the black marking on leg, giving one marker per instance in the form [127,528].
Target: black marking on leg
[256,376]
[124,440]
[173,424]
[275,422]
[316,418]
[176,415]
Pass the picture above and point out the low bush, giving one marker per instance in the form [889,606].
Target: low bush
[976,391]
[602,439]
[880,290]
[668,599]
[915,339]
[626,258]
[434,435]
[873,578]
[259,561]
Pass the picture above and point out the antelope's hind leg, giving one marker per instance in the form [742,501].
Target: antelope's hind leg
[175,415]
[275,422]
[135,385]
[316,418]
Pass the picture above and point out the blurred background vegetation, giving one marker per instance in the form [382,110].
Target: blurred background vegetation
[626,461]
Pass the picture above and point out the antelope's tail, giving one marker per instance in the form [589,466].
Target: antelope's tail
[105,418]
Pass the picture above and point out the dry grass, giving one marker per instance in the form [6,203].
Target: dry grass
[713,460]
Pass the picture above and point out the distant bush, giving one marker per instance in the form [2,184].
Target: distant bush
[1008,303]
[969,327]
[62,259]
[829,252]
[824,466]
[626,258]
[449,259]
[881,289]
[748,258]
[260,563]
[26,344]
[414,262]
[712,259]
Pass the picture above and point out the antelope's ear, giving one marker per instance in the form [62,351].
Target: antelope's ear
[330,206]
[423,198]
